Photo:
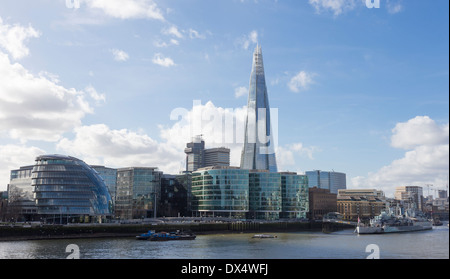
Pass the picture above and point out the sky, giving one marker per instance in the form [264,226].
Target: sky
[359,87]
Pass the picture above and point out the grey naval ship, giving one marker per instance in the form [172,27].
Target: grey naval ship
[392,223]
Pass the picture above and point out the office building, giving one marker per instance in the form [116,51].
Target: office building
[174,196]
[195,154]
[258,152]
[362,193]
[362,203]
[330,180]
[220,191]
[294,195]
[138,192]
[321,202]
[198,157]
[68,190]
[264,195]
[216,157]
[251,194]
[21,203]
[410,194]
[109,176]
[362,207]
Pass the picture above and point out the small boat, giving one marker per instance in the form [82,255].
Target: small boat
[264,236]
[166,236]
[145,236]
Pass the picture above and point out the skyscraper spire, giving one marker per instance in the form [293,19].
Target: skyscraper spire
[258,151]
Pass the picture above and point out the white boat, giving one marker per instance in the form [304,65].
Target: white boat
[264,236]
[390,223]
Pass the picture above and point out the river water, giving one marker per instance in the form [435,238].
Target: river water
[432,244]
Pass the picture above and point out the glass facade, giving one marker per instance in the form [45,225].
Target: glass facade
[194,154]
[249,194]
[109,176]
[264,195]
[258,152]
[295,195]
[21,205]
[329,180]
[67,190]
[138,191]
[220,191]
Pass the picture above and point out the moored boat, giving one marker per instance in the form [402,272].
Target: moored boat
[264,236]
[145,236]
[166,236]
[390,223]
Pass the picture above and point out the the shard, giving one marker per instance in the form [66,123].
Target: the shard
[259,150]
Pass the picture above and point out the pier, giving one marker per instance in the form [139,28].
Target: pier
[332,225]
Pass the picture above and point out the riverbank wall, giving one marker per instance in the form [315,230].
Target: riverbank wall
[11,233]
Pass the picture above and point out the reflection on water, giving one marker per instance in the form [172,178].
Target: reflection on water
[301,245]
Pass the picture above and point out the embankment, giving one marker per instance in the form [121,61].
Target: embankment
[8,233]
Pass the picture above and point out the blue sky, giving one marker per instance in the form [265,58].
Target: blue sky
[357,90]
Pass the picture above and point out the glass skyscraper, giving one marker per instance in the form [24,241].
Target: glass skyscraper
[258,152]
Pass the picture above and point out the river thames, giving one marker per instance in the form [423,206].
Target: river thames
[432,244]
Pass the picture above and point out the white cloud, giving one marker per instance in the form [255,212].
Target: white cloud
[194,34]
[12,38]
[13,157]
[36,107]
[160,43]
[425,162]
[158,59]
[99,144]
[219,127]
[394,7]
[97,97]
[301,81]
[336,6]
[286,154]
[240,91]
[126,9]
[173,30]
[251,38]
[119,55]
[421,130]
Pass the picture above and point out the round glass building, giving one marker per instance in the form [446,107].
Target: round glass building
[68,190]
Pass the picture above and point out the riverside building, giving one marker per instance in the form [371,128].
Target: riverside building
[66,190]
[248,194]
[138,192]
[21,205]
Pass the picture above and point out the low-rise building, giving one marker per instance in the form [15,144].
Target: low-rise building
[321,202]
